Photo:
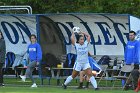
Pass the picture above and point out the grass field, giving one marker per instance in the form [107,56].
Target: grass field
[50,89]
[16,86]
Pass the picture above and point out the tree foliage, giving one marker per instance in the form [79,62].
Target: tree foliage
[80,6]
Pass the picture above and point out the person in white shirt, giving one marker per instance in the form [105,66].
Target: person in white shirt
[82,62]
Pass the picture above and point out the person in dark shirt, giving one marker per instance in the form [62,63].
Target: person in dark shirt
[2,57]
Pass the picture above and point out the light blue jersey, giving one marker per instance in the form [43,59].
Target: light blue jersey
[82,52]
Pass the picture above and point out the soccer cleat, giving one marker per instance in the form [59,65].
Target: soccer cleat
[64,86]
[23,78]
[96,89]
[87,85]
[34,85]
[79,87]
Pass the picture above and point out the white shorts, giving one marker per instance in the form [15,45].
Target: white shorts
[81,66]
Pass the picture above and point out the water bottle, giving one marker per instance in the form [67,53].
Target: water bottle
[122,63]
[115,64]
[25,63]
[62,64]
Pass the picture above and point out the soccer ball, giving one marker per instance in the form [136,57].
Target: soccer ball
[76,29]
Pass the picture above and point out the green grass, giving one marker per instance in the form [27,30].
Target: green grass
[16,86]
[17,81]
[50,89]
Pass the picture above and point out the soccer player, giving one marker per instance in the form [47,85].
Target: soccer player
[35,56]
[82,62]
[95,71]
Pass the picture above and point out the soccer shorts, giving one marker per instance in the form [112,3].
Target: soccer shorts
[81,66]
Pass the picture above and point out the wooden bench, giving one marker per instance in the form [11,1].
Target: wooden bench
[63,59]
[58,77]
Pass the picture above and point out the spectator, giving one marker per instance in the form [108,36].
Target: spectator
[35,56]
[2,57]
[132,51]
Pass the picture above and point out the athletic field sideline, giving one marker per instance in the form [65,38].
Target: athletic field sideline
[55,89]
[15,85]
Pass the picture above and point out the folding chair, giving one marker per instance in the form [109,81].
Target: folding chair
[124,69]
[102,73]
[10,57]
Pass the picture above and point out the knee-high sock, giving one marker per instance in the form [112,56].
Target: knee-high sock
[81,85]
[93,82]
[87,84]
[68,80]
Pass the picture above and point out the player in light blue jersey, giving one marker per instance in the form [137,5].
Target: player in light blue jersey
[82,62]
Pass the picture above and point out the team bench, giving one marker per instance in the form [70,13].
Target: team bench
[58,71]
[60,74]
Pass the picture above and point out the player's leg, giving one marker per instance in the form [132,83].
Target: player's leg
[91,77]
[70,78]
[87,79]
[75,72]
[88,82]
[82,77]
[88,72]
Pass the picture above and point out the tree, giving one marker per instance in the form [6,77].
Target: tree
[80,6]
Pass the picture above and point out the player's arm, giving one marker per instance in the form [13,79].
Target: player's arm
[73,38]
[87,36]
